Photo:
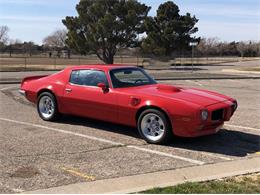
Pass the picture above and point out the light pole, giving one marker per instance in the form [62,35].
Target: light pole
[192,44]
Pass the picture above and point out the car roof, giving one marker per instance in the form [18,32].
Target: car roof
[104,67]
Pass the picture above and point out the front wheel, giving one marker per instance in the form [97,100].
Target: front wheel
[47,107]
[154,126]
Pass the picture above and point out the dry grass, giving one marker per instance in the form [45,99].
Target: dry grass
[18,63]
[254,69]
[246,184]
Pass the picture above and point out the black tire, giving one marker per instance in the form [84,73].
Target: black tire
[55,114]
[167,134]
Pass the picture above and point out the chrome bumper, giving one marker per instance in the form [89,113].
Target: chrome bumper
[22,92]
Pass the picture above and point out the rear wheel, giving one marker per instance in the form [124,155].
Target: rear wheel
[47,107]
[154,126]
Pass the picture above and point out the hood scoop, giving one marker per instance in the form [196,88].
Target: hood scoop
[168,88]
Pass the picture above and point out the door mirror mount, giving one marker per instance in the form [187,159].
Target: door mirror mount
[104,87]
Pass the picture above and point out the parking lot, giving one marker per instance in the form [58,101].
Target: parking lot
[35,154]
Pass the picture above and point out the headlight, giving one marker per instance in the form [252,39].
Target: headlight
[204,115]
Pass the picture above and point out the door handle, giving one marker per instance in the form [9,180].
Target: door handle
[68,90]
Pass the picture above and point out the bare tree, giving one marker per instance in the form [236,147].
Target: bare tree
[28,47]
[56,39]
[254,48]
[242,47]
[258,49]
[12,45]
[4,34]
[201,47]
[208,45]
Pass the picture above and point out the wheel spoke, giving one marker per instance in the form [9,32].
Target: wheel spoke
[160,131]
[152,126]
[46,106]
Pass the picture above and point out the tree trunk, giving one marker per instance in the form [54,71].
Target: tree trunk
[106,56]
[168,52]
[108,59]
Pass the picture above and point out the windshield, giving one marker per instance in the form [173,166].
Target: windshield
[130,77]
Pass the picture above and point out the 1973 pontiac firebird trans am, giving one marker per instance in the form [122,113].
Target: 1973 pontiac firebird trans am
[129,96]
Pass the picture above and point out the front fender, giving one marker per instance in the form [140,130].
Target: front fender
[179,113]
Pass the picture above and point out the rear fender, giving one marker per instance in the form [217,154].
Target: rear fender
[31,78]
[29,87]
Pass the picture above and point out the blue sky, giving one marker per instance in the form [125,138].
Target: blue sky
[32,20]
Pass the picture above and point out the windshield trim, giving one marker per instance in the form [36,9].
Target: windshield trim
[152,81]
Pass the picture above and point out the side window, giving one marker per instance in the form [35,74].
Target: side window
[88,77]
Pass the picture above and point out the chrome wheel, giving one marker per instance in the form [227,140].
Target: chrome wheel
[152,127]
[46,107]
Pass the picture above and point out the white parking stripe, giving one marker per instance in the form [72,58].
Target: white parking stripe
[216,156]
[242,127]
[3,89]
[63,131]
[18,190]
[105,141]
[167,155]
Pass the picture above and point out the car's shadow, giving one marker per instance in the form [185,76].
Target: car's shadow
[100,125]
[227,142]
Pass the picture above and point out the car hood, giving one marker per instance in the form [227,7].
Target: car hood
[197,96]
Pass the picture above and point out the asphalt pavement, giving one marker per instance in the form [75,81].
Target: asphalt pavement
[36,155]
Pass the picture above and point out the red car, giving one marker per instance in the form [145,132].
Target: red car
[129,96]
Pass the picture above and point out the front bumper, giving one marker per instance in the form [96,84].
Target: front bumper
[196,128]
[22,92]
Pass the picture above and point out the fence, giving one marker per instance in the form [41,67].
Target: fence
[23,63]
[55,63]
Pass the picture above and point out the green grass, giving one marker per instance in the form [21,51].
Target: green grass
[243,184]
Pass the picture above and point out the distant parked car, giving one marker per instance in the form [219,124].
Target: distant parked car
[129,96]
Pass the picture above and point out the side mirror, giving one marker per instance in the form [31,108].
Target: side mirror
[103,86]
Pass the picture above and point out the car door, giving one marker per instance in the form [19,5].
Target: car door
[83,97]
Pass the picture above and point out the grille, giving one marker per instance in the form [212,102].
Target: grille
[217,115]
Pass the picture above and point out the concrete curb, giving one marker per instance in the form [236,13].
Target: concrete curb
[162,79]
[137,183]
